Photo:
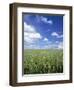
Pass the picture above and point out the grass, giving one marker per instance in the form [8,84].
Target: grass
[43,61]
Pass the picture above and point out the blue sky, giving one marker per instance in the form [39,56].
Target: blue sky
[43,31]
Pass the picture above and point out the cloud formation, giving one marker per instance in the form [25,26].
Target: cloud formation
[45,39]
[55,34]
[60,45]
[30,34]
[40,31]
[45,20]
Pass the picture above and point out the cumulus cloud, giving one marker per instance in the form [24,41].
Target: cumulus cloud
[45,20]
[30,34]
[55,34]
[45,39]
[28,28]
[60,45]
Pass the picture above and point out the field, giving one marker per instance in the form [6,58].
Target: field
[43,61]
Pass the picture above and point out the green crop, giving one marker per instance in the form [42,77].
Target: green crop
[43,61]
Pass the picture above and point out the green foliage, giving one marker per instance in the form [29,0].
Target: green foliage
[43,61]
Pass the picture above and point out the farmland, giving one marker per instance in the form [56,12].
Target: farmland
[43,61]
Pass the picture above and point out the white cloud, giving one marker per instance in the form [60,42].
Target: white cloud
[45,39]
[32,46]
[30,33]
[45,20]
[50,46]
[47,46]
[60,45]
[28,28]
[59,36]
[28,40]
[56,35]
[35,36]
[29,46]
[56,41]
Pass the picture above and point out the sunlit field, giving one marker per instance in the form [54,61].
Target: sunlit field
[41,61]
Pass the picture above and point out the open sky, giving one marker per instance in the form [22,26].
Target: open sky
[43,31]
